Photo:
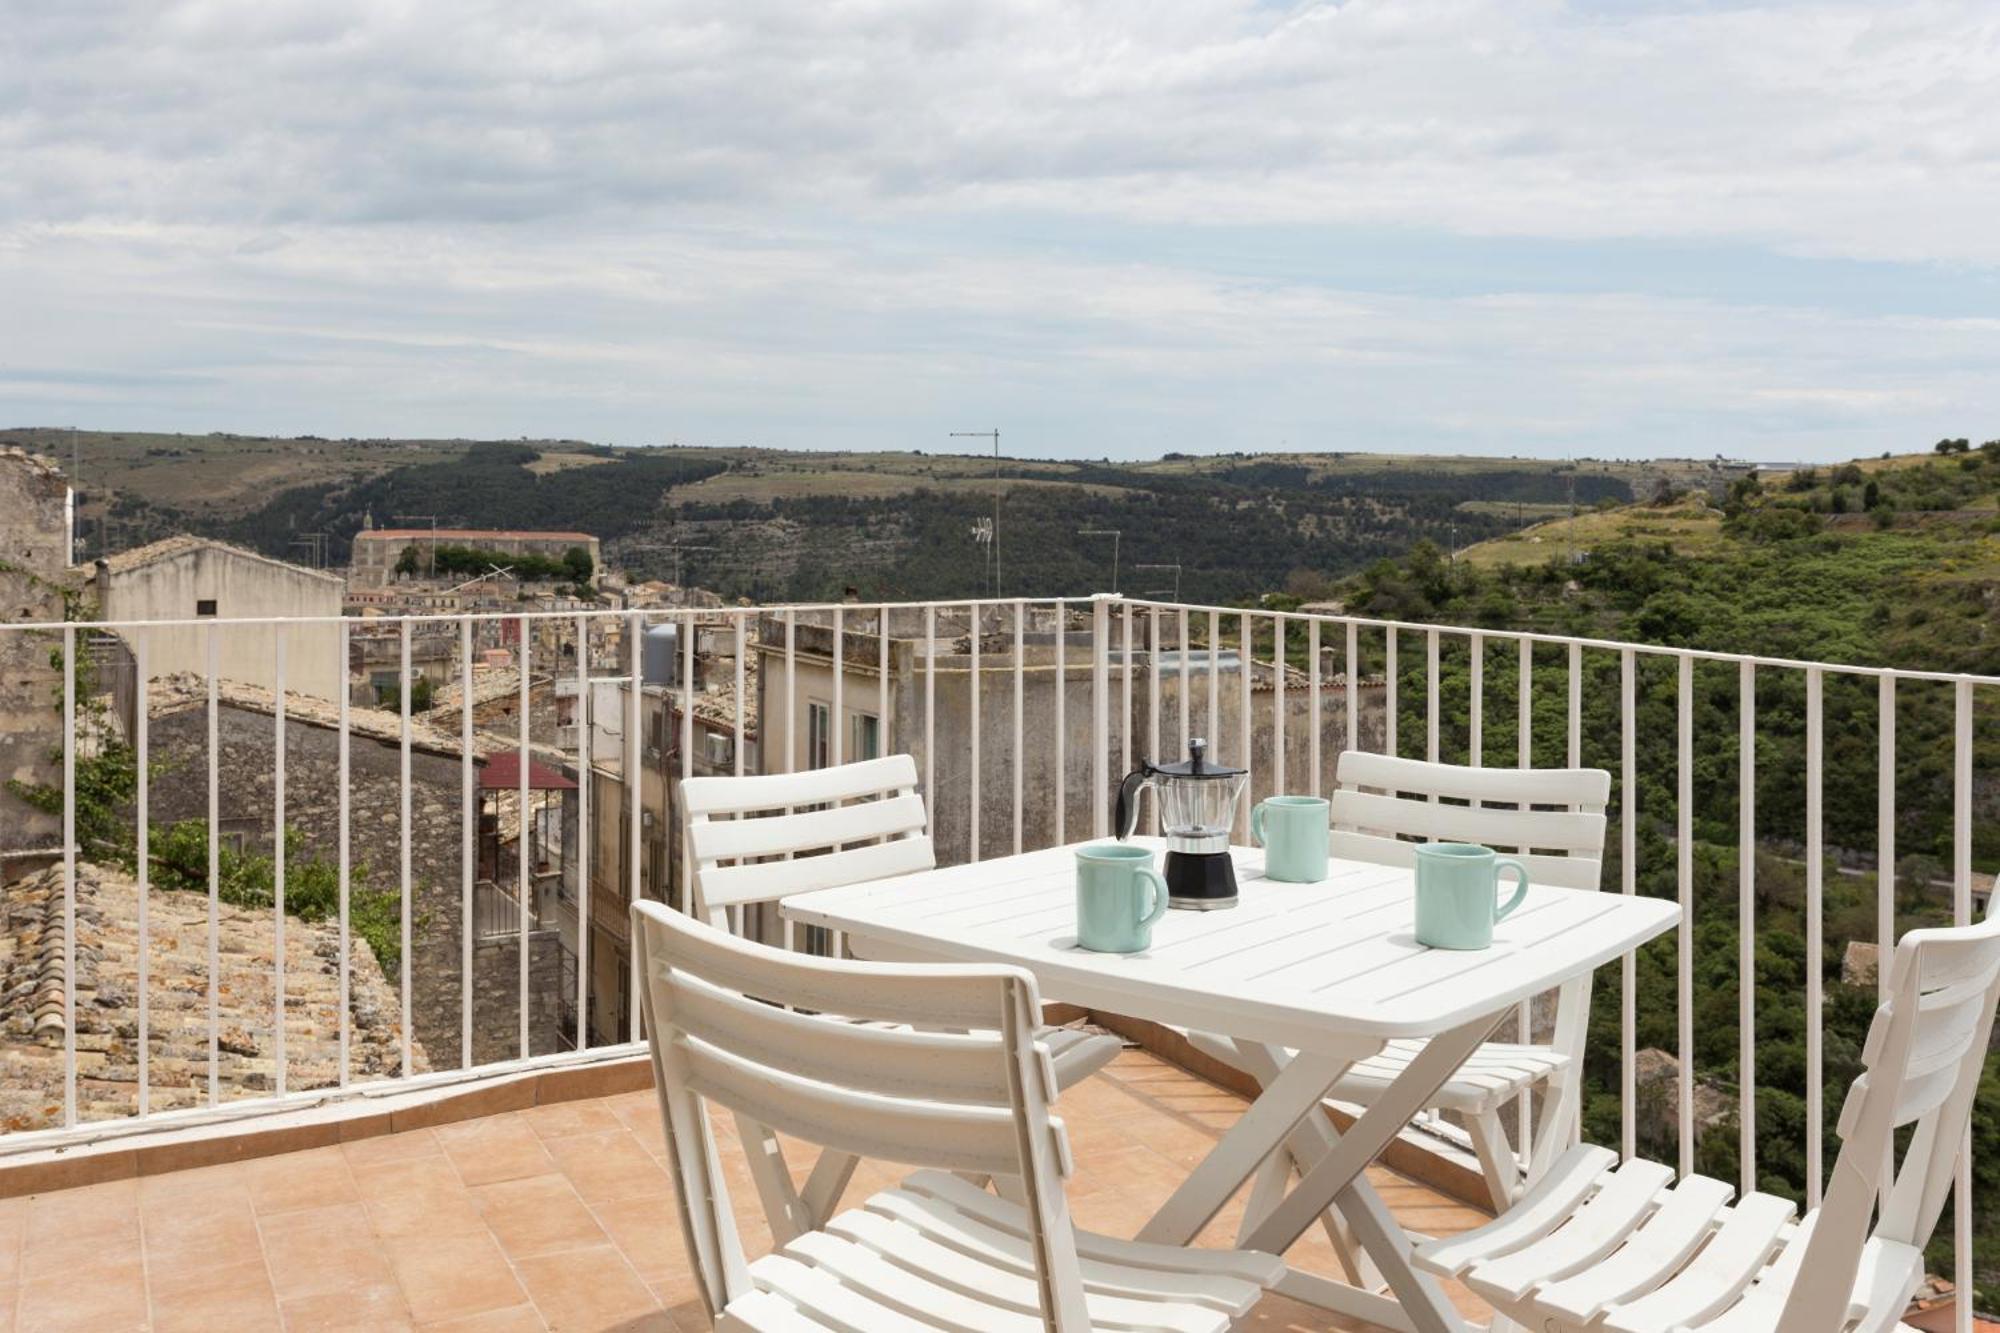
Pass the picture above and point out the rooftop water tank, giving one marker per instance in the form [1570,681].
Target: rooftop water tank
[660,656]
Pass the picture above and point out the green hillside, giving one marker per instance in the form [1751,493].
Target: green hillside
[1887,562]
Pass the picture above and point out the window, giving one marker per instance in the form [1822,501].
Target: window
[205,606]
[819,735]
[864,736]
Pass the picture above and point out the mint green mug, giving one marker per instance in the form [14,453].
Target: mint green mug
[1118,897]
[1293,831]
[1458,894]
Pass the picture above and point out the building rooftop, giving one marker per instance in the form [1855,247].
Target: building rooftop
[468,534]
[107,1004]
[172,548]
[173,694]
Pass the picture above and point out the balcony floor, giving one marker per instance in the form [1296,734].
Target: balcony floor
[556,1217]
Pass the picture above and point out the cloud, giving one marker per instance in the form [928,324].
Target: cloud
[1141,224]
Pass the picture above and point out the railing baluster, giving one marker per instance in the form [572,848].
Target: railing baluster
[1014,759]
[1352,702]
[214,872]
[1186,701]
[142,723]
[1061,702]
[1628,851]
[586,771]
[635,790]
[788,761]
[1389,739]
[1100,715]
[1214,681]
[468,842]
[343,796]
[1524,757]
[1431,695]
[1885,830]
[524,888]
[1576,705]
[69,875]
[1746,921]
[1961,914]
[1248,751]
[742,651]
[403,824]
[1125,717]
[838,722]
[930,704]
[278,854]
[1153,687]
[1475,747]
[974,725]
[1277,705]
[1313,707]
[1815,852]
[881,683]
[1684,932]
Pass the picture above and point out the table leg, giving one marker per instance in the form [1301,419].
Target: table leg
[1337,1179]
[1257,1133]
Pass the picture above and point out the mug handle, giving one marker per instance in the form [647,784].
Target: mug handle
[1160,896]
[1520,873]
[1257,822]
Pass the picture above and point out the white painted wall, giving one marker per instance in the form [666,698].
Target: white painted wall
[242,586]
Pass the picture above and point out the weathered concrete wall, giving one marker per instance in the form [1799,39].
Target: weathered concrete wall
[247,768]
[242,586]
[34,558]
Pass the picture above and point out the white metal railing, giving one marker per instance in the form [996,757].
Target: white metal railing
[1024,712]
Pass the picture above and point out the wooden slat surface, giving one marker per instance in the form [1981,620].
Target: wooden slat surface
[1314,965]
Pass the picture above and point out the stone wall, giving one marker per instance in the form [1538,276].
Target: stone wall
[247,768]
[34,558]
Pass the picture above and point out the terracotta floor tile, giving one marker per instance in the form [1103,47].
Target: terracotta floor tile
[499,1148]
[578,1117]
[647,1231]
[100,1298]
[235,1295]
[417,1198]
[390,1148]
[590,1289]
[205,1231]
[291,1182]
[319,1251]
[455,1276]
[609,1166]
[518,1319]
[375,1306]
[13,1232]
[537,1215]
[93,1224]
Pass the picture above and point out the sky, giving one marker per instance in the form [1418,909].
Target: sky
[1109,228]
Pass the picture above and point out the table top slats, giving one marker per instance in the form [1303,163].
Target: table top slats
[1339,956]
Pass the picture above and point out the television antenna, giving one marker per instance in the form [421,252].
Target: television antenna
[432,519]
[1115,535]
[992,540]
[676,548]
[1159,592]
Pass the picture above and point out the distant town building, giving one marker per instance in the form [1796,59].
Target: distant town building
[195,578]
[377,550]
[36,506]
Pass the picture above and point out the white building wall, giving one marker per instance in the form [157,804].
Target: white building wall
[242,586]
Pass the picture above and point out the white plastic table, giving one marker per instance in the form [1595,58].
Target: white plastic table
[1331,970]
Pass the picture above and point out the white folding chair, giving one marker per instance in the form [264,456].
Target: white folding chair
[761,839]
[1552,820]
[1626,1250]
[738,1025]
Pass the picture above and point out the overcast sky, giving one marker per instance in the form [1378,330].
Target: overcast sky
[1105,226]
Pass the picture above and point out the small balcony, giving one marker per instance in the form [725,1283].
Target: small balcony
[263,1003]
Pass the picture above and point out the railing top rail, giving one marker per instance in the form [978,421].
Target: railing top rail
[567,616]
[1616,645]
[395,622]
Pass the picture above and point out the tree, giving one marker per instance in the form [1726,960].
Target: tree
[408,563]
[576,563]
[1871,496]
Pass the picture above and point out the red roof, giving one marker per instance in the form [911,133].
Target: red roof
[502,772]
[468,534]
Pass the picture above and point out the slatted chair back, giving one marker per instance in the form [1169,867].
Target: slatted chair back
[1925,1051]
[737,1025]
[1550,819]
[839,825]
